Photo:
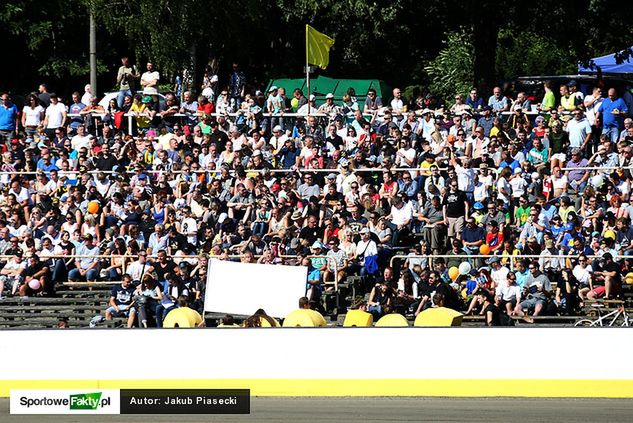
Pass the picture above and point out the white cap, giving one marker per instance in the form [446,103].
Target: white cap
[214,78]
[329,95]
[272,88]
[277,128]
[257,153]
[312,97]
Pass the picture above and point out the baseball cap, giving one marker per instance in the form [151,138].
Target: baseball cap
[329,95]
[317,244]
[493,259]
[312,97]
[272,88]
[364,231]
[88,236]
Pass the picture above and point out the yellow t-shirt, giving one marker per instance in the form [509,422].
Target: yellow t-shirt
[141,121]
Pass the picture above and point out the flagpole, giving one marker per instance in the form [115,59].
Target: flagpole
[307,68]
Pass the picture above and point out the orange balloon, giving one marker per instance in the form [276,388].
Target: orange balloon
[484,249]
[453,273]
[93,207]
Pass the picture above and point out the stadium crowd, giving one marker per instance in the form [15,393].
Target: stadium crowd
[536,190]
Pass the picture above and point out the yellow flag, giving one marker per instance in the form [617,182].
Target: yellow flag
[317,47]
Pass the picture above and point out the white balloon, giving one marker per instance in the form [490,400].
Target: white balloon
[464,268]
[597,181]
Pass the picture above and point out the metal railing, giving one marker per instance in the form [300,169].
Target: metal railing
[500,256]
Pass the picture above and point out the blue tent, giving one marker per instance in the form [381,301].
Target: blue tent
[608,64]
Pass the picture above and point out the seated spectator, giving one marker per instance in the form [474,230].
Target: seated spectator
[536,291]
[122,301]
[86,267]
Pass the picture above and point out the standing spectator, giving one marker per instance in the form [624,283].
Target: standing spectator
[126,79]
[32,116]
[88,95]
[44,96]
[8,119]
[75,109]
[150,78]
[55,116]
[612,112]
[455,209]
[237,84]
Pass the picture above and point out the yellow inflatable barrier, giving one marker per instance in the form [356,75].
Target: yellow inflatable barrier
[306,318]
[265,324]
[182,317]
[440,316]
[628,279]
[393,320]
[358,318]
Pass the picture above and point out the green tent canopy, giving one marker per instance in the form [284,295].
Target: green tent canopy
[322,85]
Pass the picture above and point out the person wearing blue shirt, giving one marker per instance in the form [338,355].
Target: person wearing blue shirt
[408,185]
[612,110]
[8,118]
[486,121]
[475,102]
[75,109]
[508,161]
[571,234]
[498,101]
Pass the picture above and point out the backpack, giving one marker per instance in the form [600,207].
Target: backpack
[371,264]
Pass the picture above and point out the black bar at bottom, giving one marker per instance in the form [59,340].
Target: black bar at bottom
[185,401]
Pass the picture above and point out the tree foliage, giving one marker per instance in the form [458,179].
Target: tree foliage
[526,53]
[451,72]
[391,40]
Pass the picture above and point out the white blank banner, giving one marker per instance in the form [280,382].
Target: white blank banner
[242,288]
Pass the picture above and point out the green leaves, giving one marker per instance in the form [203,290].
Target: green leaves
[451,72]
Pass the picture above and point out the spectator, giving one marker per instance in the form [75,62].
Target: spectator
[87,266]
[122,301]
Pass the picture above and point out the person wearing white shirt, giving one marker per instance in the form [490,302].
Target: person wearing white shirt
[507,295]
[400,218]
[499,274]
[54,117]
[88,96]
[579,130]
[397,103]
[278,139]
[592,103]
[81,140]
[32,116]
[138,268]
[465,177]
[150,78]
[190,227]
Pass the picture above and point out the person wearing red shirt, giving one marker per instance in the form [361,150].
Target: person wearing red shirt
[494,238]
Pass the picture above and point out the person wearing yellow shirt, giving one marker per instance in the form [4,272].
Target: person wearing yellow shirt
[140,112]
[568,102]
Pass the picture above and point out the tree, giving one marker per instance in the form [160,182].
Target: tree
[526,53]
[451,72]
